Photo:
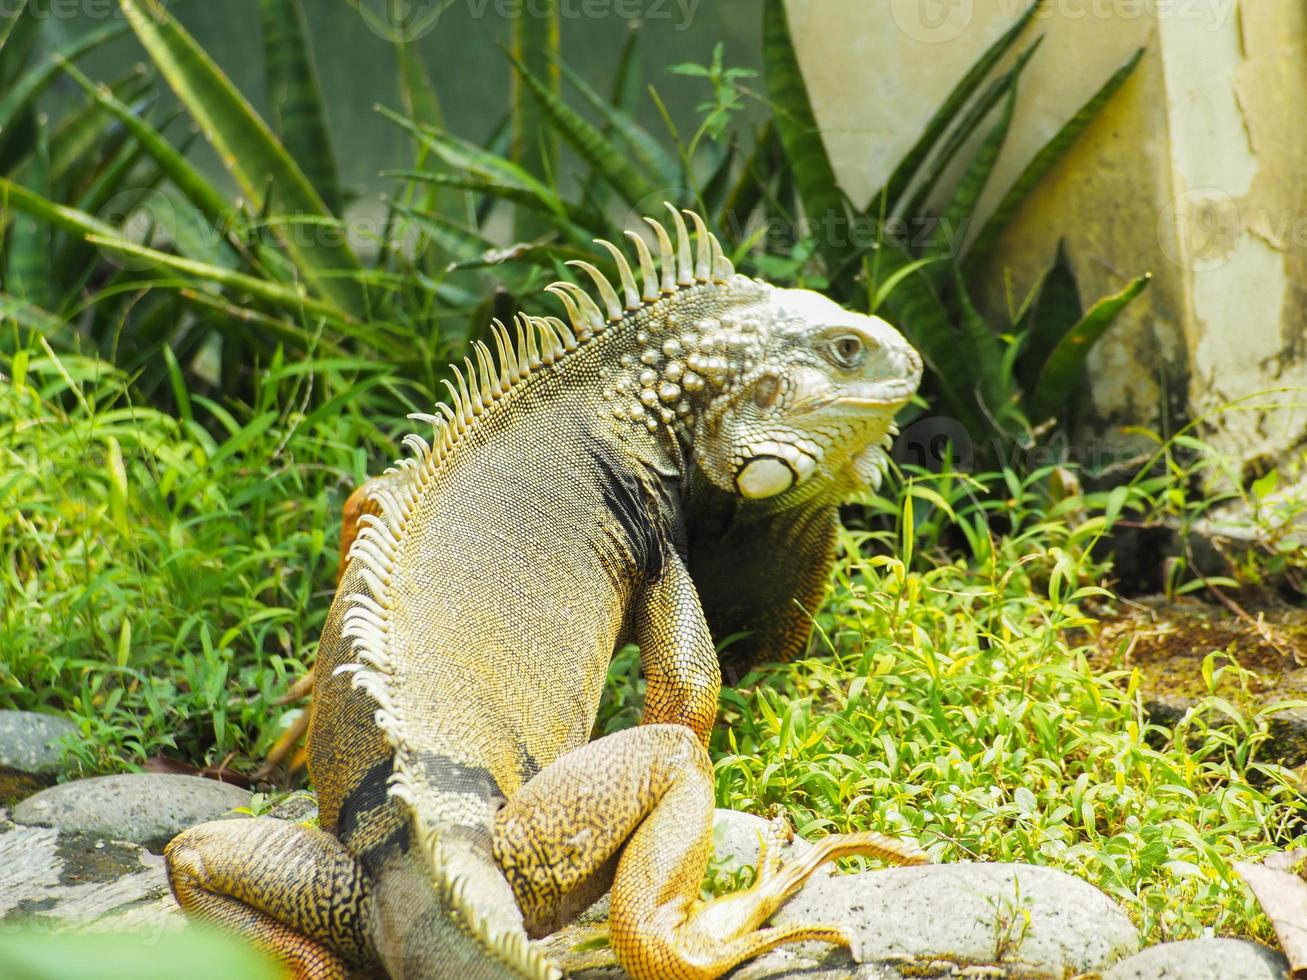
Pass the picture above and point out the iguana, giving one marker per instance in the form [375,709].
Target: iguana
[556,515]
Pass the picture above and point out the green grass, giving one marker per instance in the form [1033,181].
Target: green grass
[161,581]
[951,702]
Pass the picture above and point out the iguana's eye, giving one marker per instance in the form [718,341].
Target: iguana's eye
[847,351]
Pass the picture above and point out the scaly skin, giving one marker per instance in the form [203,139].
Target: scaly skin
[560,512]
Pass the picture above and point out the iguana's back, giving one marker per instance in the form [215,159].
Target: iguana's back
[506,599]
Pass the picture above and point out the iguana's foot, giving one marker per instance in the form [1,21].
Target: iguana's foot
[645,798]
[728,930]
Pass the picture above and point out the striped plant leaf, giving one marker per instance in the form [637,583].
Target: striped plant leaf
[797,125]
[940,123]
[1053,310]
[296,97]
[610,161]
[1065,367]
[32,81]
[250,150]
[535,50]
[653,160]
[1044,161]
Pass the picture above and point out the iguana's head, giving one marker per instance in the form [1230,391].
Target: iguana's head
[780,391]
[805,393]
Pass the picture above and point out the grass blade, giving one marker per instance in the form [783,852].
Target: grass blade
[1044,161]
[296,97]
[1065,368]
[250,151]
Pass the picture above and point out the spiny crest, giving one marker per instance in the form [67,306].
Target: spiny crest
[366,625]
[509,946]
[679,271]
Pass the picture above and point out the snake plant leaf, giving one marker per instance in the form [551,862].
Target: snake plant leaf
[953,222]
[1065,367]
[463,244]
[480,163]
[251,152]
[610,161]
[1053,310]
[106,236]
[653,160]
[960,136]
[984,351]
[914,307]
[767,157]
[536,51]
[32,81]
[813,175]
[206,198]
[28,258]
[88,134]
[287,297]
[910,166]
[296,97]
[574,225]
[9,31]
[1044,161]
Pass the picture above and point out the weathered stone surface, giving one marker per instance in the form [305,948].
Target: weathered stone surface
[143,808]
[55,880]
[29,741]
[29,752]
[991,919]
[1202,959]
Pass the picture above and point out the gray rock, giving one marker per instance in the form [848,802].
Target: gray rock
[142,808]
[1202,959]
[53,880]
[1000,920]
[30,753]
[29,742]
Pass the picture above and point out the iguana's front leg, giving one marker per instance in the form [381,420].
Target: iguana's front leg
[760,575]
[645,797]
[676,652]
[293,891]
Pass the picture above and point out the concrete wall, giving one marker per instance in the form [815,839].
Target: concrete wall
[1196,172]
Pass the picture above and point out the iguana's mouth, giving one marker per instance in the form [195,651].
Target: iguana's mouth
[889,397]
